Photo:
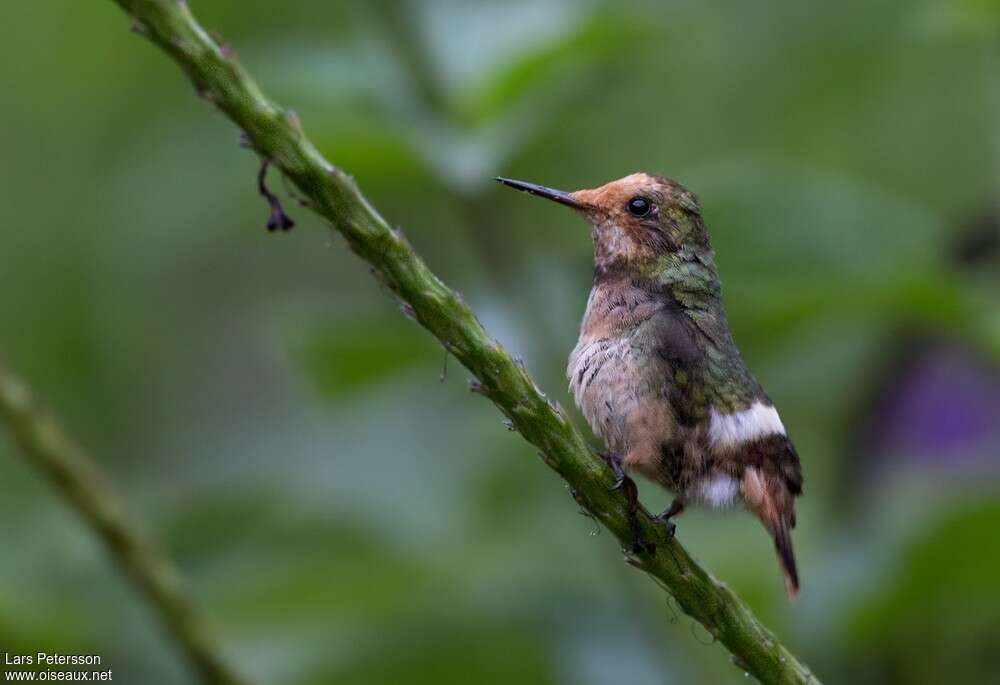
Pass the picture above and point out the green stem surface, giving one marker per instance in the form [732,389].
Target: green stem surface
[275,133]
[78,479]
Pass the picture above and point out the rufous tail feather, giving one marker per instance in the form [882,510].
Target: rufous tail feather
[770,500]
[786,557]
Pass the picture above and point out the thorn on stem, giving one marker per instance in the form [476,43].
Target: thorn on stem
[136,25]
[278,218]
[670,604]
[630,558]
[694,632]
[302,202]
[477,387]
[408,311]
[583,509]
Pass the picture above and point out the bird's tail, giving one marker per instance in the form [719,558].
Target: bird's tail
[772,503]
[786,557]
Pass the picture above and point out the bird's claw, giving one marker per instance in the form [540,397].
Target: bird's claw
[675,508]
[622,481]
[640,546]
[614,463]
[669,525]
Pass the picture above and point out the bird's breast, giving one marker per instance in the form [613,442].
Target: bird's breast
[603,379]
[605,369]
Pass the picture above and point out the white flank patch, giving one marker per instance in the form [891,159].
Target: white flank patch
[718,491]
[729,430]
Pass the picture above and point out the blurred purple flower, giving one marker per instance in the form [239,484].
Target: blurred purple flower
[941,408]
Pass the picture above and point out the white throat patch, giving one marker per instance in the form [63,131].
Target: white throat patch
[730,430]
[615,239]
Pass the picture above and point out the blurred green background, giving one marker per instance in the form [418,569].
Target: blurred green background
[347,517]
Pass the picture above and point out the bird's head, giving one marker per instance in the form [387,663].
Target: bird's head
[639,223]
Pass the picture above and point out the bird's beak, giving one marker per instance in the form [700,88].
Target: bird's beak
[559,196]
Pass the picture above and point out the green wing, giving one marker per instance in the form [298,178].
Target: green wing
[693,351]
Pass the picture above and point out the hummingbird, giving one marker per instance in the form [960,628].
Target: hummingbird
[656,371]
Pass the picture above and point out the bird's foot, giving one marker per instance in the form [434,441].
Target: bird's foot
[670,526]
[631,491]
[614,463]
[675,508]
[640,546]
[628,486]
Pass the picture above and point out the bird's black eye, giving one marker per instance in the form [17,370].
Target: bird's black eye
[639,206]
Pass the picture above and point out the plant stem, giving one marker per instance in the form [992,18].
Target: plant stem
[78,479]
[275,133]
